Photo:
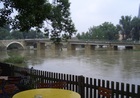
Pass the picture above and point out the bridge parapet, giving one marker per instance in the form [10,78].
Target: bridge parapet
[71,45]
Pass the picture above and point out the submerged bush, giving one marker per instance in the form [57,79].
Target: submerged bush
[14,60]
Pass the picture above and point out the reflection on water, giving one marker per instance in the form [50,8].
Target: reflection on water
[121,66]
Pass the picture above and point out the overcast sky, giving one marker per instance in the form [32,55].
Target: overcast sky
[88,13]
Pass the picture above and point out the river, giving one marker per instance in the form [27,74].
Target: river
[118,66]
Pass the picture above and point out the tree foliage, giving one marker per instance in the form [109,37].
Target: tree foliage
[61,21]
[135,28]
[30,13]
[4,34]
[105,31]
[109,31]
[16,35]
[125,26]
[128,26]
[33,14]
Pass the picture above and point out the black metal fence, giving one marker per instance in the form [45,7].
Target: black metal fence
[85,86]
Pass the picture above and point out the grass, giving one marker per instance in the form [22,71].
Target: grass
[14,60]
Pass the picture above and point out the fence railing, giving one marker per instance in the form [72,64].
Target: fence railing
[85,86]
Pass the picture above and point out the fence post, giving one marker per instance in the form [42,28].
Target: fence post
[138,92]
[5,69]
[81,82]
[12,70]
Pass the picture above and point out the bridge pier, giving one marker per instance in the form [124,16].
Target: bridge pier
[115,47]
[89,47]
[100,46]
[40,46]
[56,46]
[71,46]
[136,47]
[110,47]
[24,44]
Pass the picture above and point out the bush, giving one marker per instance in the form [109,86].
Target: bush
[14,60]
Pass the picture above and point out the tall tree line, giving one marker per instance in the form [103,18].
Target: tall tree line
[128,27]
[5,34]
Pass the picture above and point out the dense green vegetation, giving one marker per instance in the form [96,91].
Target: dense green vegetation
[128,27]
[106,31]
[15,60]
[15,34]
[34,14]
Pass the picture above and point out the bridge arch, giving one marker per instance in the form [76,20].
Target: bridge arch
[17,45]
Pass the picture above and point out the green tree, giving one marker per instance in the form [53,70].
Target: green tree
[7,27]
[78,36]
[33,14]
[135,28]
[125,26]
[95,33]
[16,35]
[33,34]
[4,34]
[109,31]
[30,13]
[105,31]
[61,21]
[83,36]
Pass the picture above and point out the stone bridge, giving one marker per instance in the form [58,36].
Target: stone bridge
[5,44]
[23,43]
[70,45]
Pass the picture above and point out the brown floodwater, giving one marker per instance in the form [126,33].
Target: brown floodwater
[119,66]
